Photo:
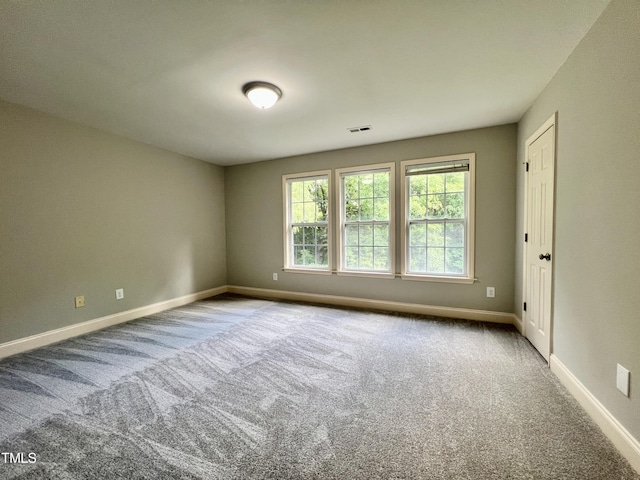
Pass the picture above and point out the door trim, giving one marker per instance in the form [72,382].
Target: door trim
[551,122]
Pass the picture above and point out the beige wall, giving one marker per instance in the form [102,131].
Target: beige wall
[597,255]
[83,212]
[254,221]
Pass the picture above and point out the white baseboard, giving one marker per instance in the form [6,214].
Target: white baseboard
[628,446]
[53,336]
[517,322]
[450,312]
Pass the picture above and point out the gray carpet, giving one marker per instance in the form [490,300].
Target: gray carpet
[235,388]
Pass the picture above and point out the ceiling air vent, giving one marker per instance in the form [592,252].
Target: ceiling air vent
[363,128]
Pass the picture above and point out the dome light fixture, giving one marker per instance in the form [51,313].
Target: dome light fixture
[262,94]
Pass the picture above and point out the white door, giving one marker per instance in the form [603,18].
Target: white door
[539,239]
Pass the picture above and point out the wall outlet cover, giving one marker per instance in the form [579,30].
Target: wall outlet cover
[119,293]
[622,379]
[79,301]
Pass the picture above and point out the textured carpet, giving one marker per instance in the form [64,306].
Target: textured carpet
[236,388]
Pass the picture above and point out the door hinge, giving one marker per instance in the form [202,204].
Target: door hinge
[525,306]
[527,166]
[526,237]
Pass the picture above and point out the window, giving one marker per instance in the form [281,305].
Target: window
[438,206]
[307,221]
[366,240]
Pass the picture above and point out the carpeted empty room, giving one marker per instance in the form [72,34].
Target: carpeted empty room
[241,388]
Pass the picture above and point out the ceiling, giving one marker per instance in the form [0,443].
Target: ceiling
[170,73]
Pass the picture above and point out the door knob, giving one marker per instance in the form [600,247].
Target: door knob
[546,257]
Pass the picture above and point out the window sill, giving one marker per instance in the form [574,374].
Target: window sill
[434,278]
[347,273]
[312,271]
[411,277]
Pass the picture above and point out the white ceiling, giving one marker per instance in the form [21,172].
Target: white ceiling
[170,72]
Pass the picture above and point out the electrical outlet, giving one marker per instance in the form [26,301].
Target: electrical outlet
[119,293]
[491,292]
[622,380]
[275,277]
[80,301]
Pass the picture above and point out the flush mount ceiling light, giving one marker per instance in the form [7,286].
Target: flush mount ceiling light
[262,94]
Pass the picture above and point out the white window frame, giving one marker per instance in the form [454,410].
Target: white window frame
[288,224]
[341,214]
[468,276]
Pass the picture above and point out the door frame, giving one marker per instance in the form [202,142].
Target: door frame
[551,122]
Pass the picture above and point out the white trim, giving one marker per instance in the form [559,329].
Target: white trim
[449,312]
[628,446]
[469,220]
[436,278]
[286,220]
[318,174]
[363,170]
[517,322]
[313,271]
[552,121]
[64,333]
[365,273]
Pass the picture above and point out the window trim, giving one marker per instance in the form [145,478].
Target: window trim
[364,169]
[469,278]
[286,224]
